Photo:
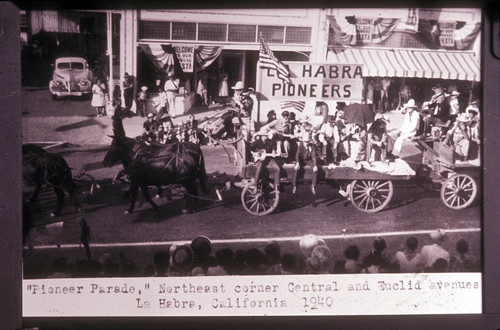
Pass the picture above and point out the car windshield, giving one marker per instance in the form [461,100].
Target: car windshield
[70,65]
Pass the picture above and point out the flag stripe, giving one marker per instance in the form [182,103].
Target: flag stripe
[268,60]
[297,105]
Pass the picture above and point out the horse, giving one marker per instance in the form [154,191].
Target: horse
[157,164]
[40,167]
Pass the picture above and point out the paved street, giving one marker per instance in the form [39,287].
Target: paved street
[413,210]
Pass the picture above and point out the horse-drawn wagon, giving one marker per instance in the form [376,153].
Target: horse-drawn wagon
[440,171]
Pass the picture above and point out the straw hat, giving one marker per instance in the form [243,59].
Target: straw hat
[144,88]
[239,86]
[438,235]
[410,104]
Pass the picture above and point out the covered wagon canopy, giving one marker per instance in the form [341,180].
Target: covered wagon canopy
[406,63]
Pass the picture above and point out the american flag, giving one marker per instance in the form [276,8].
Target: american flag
[297,105]
[268,60]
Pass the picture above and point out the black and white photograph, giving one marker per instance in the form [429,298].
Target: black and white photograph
[251,162]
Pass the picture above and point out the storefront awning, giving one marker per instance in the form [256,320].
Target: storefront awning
[409,63]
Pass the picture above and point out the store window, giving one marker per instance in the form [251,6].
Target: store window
[183,31]
[212,32]
[154,30]
[241,33]
[272,34]
[298,35]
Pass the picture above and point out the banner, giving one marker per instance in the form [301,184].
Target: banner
[185,54]
[312,81]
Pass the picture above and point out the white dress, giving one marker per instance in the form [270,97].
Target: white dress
[223,86]
[98,96]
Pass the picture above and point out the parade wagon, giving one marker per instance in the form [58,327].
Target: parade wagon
[368,186]
[456,181]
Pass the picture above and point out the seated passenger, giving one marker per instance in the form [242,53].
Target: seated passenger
[266,153]
[439,111]
[458,138]
[306,153]
[329,137]
[377,140]
[409,128]
[357,142]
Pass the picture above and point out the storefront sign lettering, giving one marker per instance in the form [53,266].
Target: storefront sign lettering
[315,81]
[447,30]
[185,54]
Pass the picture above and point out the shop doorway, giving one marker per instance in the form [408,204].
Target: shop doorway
[233,63]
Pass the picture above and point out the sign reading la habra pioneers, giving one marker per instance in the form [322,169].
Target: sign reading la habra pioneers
[313,81]
[185,54]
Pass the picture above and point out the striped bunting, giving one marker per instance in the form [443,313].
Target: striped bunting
[268,60]
[297,105]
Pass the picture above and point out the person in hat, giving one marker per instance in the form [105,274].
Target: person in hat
[307,152]
[142,101]
[171,88]
[458,138]
[377,141]
[319,261]
[431,253]
[266,152]
[128,91]
[409,128]
[242,100]
[439,111]
[181,261]
[472,112]
[454,105]
[149,128]
[308,242]
[201,246]
[328,137]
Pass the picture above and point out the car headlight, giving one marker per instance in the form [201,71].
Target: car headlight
[84,83]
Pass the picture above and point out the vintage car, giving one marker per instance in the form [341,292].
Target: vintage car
[71,77]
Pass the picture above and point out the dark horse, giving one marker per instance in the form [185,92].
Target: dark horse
[157,165]
[41,167]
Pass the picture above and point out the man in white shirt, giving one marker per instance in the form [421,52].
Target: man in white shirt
[171,90]
[409,127]
[431,253]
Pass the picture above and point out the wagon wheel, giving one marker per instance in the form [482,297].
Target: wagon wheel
[458,191]
[424,180]
[260,199]
[370,196]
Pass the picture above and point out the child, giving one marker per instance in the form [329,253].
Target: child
[458,137]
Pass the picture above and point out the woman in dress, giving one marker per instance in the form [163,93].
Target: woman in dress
[223,85]
[99,97]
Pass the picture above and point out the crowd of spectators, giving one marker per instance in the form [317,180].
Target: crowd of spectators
[311,256]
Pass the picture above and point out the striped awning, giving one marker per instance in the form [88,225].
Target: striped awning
[409,63]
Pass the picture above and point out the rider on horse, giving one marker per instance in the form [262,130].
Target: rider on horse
[242,106]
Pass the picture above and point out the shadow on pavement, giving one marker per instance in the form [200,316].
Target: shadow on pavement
[84,123]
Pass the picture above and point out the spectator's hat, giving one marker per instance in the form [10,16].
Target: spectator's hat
[455,93]
[410,104]
[126,75]
[308,242]
[438,91]
[144,88]
[182,257]
[463,118]
[472,108]
[320,258]
[238,86]
[271,113]
[201,246]
[438,235]
[150,115]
